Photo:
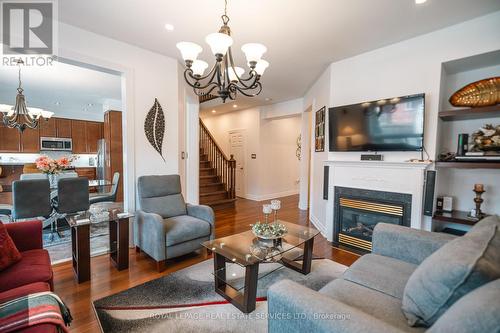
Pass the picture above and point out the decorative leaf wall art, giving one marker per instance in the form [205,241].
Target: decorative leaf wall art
[154,127]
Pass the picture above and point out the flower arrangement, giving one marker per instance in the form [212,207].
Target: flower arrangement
[51,166]
[269,230]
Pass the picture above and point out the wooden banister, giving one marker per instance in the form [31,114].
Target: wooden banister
[225,167]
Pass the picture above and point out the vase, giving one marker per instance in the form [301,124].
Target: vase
[52,180]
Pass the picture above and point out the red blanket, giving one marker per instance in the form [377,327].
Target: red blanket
[34,309]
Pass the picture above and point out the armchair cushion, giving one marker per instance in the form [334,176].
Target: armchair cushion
[454,270]
[384,274]
[161,195]
[180,229]
[9,254]
[475,312]
[33,267]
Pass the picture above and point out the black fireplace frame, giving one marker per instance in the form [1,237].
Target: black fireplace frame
[383,197]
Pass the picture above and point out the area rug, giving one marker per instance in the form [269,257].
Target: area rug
[185,301]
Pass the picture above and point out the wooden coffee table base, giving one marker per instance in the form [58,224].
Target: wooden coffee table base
[245,301]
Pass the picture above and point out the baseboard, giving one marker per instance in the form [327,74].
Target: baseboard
[270,196]
[318,225]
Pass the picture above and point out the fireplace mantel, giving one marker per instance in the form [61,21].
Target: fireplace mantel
[389,176]
[381,164]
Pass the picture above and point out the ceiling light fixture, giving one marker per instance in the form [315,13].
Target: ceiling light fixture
[213,111]
[419,2]
[20,116]
[169,27]
[235,106]
[224,77]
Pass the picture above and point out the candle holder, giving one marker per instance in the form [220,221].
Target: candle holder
[275,205]
[267,210]
[478,214]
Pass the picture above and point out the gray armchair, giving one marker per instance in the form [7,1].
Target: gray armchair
[166,227]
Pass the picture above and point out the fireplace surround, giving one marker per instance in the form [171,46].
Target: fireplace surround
[357,211]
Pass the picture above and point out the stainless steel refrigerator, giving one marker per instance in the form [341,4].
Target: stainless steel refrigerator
[101,162]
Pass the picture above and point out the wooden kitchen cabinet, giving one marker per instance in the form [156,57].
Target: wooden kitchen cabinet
[94,134]
[79,136]
[10,139]
[114,148]
[30,140]
[48,128]
[63,127]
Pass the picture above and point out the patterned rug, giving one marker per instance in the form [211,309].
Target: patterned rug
[185,301]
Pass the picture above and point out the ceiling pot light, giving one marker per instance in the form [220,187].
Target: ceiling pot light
[235,106]
[419,2]
[213,111]
[169,27]
[224,80]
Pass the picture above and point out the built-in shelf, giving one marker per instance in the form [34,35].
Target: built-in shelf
[468,165]
[470,113]
[455,216]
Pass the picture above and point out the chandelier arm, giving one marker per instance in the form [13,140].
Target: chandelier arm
[197,84]
[258,85]
[241,80]
[209,91]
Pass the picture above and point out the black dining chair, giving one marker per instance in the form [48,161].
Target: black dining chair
[72,197]
[30,199]
[107,196]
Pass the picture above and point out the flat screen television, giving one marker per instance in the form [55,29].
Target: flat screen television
[395,124]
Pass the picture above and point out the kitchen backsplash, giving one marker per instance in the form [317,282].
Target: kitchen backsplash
[83,160]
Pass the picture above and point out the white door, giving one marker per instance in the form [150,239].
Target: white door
[237,144]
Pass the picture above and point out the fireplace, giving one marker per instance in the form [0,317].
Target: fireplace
[357,211]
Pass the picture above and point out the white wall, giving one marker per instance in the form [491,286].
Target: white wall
[270,133]
[146,76]
[408,67]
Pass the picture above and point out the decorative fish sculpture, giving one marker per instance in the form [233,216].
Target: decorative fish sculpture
[154,127]
[480,93]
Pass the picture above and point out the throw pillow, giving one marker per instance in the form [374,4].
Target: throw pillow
[454,270]
[9,254]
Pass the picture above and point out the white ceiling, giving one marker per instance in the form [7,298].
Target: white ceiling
[302,37]
[67,90]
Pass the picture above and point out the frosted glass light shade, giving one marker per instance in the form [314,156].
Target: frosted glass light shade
[219,42]
[199,67]
[253,51]
[261,66]
[232,75]
[189,50]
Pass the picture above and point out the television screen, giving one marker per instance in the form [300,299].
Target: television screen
[395,124]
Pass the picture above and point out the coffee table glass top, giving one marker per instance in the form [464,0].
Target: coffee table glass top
[246,249]
[99,212]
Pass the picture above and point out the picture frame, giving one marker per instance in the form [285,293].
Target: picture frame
[319,130]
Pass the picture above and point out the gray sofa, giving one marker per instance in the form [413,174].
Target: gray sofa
[369,295]
[166,227]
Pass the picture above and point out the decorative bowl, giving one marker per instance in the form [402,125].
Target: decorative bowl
[269,231]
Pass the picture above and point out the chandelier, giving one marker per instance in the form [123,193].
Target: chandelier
[224,78]
[20,116]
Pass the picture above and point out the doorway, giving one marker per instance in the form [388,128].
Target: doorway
[237,149]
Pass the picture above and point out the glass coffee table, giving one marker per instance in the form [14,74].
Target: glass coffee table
[237,259]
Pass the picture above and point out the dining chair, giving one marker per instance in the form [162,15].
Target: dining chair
[72,197]
[107,196]
[28,176]
[30,198]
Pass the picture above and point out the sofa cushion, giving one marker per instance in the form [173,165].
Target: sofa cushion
[9,254]
[384,274]
[454,270]
[185,228]
[372,302]
[475,312]
[33,267]
[27,289]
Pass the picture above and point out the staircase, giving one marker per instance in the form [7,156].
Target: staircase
[217,173]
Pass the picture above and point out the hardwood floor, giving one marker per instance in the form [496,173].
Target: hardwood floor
[106,280]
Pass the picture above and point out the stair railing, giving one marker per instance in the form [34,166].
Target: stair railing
[225,168]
